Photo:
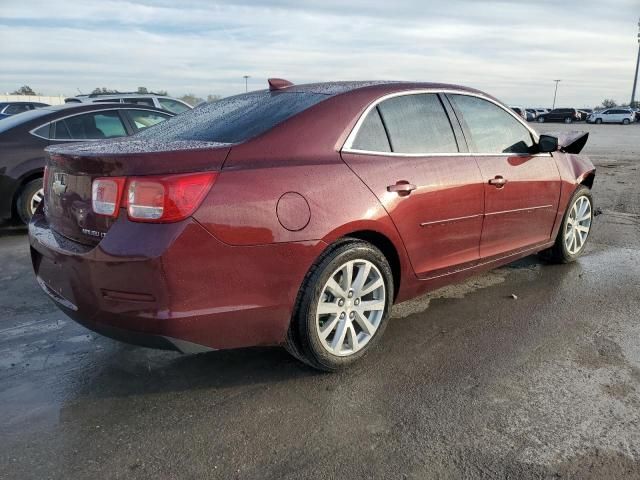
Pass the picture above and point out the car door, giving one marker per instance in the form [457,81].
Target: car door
[521,188]
[406,150]
[607,116]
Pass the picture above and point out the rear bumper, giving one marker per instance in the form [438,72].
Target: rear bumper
[172,286]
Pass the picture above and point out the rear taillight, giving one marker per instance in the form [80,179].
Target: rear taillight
[167,198]
[106,194]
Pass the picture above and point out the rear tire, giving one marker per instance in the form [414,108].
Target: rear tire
[540,119]
[30,197]
[331,328]
[568,120]
[572,237]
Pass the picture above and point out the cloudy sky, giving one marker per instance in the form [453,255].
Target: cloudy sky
[512,49]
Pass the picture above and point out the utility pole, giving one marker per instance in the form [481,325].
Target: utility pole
[635,77]
[246,84]
[555,94]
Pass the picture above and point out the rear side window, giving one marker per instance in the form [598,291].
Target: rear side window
[139,101]
[173,105]
[492,129]
[235,119]
[90,126]
[418,124]
[13,109]
[372,136]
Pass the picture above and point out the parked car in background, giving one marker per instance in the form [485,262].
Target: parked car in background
[11,108]
[531,114]
[520,111]
[624,116]
[566,115]
[149,99]
[24,137]
[540,111]
[298,215]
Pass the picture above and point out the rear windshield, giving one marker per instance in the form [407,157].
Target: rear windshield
[20,118]
[234,119]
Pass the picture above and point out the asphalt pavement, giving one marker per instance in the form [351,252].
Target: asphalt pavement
[468,382]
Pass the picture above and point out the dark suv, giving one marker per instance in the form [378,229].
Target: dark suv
[566,115]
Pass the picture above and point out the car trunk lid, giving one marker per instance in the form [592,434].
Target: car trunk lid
[71,170]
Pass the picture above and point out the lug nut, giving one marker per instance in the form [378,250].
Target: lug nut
[351,315]
[350,293]
[340,302]
[357,302]
[342,315]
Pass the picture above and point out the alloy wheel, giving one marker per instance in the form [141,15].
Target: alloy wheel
[351,307]
[35,200]
[578,225]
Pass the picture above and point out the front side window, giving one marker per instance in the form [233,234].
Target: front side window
[417,123]
[492,129]
[142,119]
[90,126]
[173,105]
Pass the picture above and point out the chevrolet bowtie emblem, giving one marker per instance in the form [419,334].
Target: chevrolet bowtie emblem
[59,186]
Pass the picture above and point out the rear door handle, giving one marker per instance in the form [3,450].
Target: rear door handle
[499,181]
[402,188]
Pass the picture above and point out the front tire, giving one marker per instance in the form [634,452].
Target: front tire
[540,119]
[30,197]
[626,121]
[598,121]
[574,230]
[343,306]
[568,120]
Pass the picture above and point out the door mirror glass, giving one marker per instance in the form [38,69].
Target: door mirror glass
[547,144]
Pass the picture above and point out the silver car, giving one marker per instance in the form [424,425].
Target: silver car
[172,105]
[624,116]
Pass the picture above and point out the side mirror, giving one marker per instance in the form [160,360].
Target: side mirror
[547,144]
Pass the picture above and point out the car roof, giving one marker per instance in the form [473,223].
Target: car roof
[53,112]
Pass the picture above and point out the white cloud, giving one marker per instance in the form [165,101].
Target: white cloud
[510,49]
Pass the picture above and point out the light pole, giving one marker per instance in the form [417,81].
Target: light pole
[246,84]
[635,77]
[555,94]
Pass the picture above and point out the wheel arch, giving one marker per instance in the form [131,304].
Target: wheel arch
[388,249]
[22,182]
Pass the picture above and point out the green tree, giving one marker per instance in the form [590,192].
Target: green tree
[609,103]
[142,90]
[24,90]
[213,98]
[103,90]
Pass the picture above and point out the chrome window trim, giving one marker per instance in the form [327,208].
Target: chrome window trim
[347,146]
[76,140]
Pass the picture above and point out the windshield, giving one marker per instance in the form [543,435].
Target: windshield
[234,119]
[20,118]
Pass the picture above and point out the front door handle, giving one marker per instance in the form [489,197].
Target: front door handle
[499,181]
[402,188]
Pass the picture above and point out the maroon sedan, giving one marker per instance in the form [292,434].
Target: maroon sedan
[298,215]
